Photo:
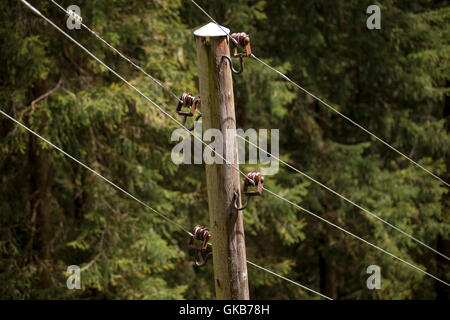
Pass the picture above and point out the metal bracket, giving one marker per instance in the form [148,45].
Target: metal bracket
[200,233]
[255,179]
[187,100]
[243,40]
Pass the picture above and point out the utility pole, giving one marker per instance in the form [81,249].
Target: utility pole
[226,223]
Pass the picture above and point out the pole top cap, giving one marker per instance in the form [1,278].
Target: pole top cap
[211,30]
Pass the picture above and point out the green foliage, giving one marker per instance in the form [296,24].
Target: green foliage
[54,213]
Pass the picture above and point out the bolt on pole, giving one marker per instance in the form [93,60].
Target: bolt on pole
[226,222]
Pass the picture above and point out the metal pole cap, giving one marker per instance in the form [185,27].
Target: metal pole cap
[212,30]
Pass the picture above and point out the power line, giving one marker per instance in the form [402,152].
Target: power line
[331,190]
[110,182]
[176,97]
[158,82]
[329,106]
[140,201]
[355,236]
[314,180]
[352,121]
[310,178]
[347,199]
[94,172]
[297,284]
[295,169]
[171,117]
[212,19]
[111,70]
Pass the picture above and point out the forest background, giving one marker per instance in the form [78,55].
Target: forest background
[54,213]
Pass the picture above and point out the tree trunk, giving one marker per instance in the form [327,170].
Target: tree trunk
[81,199]
[328,273]
[40,169]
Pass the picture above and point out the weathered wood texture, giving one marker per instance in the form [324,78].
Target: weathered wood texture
[226,223]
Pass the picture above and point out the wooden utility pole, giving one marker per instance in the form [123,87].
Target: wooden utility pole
[226,223]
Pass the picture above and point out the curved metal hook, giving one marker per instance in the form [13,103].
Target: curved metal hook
[236,197]
[195,122]
[200,261]
[232,67]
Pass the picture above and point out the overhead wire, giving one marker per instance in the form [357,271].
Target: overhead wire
[171,117]
[347,199]
[352,121]
[324,103]
[158,82]
[357,237]
[142,202]
[115,185]
[309,177]
[289,280]
[94,172]
[276,158]
[99,37]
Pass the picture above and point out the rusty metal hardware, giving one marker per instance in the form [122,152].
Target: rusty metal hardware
[242,39]
[187,100]
[232,66]
[253,178]
[200,233]
[235,202]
